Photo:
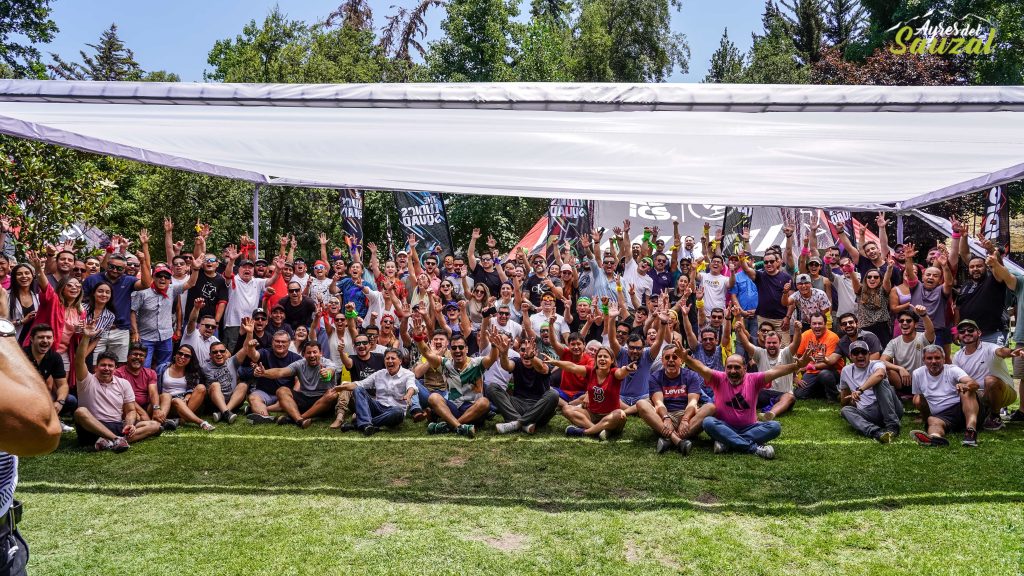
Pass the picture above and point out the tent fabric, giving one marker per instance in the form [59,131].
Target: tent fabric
[863,147]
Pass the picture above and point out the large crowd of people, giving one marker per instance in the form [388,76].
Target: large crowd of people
[688,339]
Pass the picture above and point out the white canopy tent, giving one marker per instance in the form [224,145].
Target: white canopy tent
[860,147]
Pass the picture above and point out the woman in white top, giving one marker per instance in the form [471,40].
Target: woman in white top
[182,380]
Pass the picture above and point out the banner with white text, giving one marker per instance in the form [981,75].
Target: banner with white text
[423,214]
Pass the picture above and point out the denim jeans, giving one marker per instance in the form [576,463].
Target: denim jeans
[157,351]
[419,401]
[369,412]
[743,439]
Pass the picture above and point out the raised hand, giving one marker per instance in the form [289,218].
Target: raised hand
[231,252]
[880,221]
[248,325]
[909,250]
[491,242]
[475,235]
[198,303]
[372,246]
[412,240]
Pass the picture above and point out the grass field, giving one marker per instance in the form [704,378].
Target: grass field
[279,500]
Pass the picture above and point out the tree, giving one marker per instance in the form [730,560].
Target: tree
[844,22]
[49,188]
[479,43]
[773,59]
[112,61]
[546,51]
[402,35]
[726,62]
[352,13]
[805,24]
[1005,66]
[161,76]
[628,41]
[558,11]
[267,53]
[20,21]
[884,68]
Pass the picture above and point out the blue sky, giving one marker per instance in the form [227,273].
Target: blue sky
[177,36]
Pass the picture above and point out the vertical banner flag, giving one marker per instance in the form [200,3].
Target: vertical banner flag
[736,219]
[996,225]
[423,214]
[351,201]
[569,219]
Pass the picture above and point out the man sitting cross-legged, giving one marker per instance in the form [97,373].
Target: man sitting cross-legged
[264,396]
[394,388]
[948,396]
[532,402]
[734,425]
[674,410]
[869,403]
[600,412]
[774,401]
[312,394]
[465,408]
[226,393]
[105,418]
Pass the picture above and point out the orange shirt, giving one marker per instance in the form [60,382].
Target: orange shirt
[827,345]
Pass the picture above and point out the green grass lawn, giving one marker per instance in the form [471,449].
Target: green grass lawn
[278,500]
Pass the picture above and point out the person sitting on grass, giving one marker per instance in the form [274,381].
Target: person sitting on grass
[674,410]
[394,387]
[183,381]
[533,401]
[105,418]
[948,399]
[905,353]
[985,363]
[313,393]
[734,425]
[820,378]
[635,386]
[226,393]
[465,406]
[263,398]
[149,403]
[571,387]
[51,369]
[777,400]
[870,404]
[600,411]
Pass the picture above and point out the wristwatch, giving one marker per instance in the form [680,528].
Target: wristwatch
[7,328]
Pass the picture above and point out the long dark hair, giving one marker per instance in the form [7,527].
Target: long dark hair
[33,287]
[90,300]
[193,375]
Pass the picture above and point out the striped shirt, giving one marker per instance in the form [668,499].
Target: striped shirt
[8,480]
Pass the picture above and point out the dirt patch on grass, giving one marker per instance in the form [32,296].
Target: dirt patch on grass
[633,553]
[507,542]
[386,529]
[708,498]
[456,461]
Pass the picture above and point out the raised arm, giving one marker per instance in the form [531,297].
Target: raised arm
[696,365]
[847,244]
[784,369]
[471,250]
[566,366]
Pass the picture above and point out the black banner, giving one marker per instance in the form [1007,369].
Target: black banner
[996,224]
[351,202]
[569,219]
[736,219]
[423,214]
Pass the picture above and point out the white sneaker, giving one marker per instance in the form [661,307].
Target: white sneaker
[207,426]
[530,428]
[507,427]
[765,451]
[720,448]
[64,428]
[119,444]
[602,436]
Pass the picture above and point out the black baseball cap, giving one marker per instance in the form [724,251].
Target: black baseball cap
[259,312]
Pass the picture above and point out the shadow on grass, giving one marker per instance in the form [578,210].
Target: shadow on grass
[400,496]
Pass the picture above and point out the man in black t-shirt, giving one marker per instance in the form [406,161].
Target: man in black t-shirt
[482,269]
[361,366]
[533,402]
[982,297]
[263,397]
[298,309]
[51,369]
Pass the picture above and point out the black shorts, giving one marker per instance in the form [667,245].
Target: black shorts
[88,439]
[305,401]
[953,417]
[766,397]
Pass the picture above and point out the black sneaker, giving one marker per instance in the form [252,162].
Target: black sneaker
[228,416]
[216,416]
[970,438]
[259,418]
[169,425]
[348,427]
[285,420]
[370,430]
[1017,416]
[663,445]
[939,441]
[685,447]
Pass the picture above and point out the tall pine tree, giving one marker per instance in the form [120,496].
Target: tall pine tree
[726,62]
[111,61]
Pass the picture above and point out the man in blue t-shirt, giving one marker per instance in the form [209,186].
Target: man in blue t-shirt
[117,338]
[674,410]
[634,387]
[263,397]
[743,293]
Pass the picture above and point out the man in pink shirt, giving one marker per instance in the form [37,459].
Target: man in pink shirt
[734,425]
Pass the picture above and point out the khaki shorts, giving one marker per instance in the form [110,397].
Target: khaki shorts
[1018,362]
[676,417]
[1007,395]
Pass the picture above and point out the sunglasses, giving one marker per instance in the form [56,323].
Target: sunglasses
[968,330]
[458,347]
[209,325]
[504,314]
[294,291]
[371,336]
[858,353]
[114,268]
[906,320]
[487,258]
[211,260]
[319,267]
[813,264]
[182,355]
[430,264]
[635,349]
[363,343]
[218,351]
[772,261]
[79,270]
[873,277]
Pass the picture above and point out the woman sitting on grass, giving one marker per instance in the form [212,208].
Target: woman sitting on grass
[182,380]
[598,411]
